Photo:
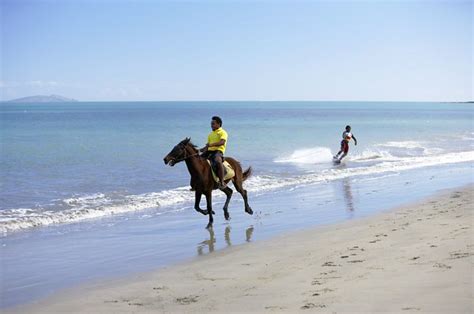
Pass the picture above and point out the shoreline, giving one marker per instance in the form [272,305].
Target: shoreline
[415,258]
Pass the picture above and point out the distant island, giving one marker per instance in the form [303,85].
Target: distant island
[43,98]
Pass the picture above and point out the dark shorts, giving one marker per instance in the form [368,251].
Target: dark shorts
[344,146]
[211,155]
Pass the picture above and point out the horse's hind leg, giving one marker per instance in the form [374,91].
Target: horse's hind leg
[243,192]
[228,192]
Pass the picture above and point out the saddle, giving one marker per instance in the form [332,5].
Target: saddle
[229,172]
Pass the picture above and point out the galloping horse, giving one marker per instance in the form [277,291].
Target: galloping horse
[202,180]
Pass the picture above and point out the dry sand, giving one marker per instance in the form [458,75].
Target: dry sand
[414,259]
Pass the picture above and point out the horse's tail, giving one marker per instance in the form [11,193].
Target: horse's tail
[247,173]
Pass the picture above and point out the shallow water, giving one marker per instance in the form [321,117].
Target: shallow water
[64,163]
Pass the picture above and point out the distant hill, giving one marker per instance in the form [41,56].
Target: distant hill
[43,98]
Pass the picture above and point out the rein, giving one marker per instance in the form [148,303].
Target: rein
[185,157]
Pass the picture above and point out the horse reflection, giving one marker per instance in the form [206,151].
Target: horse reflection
[227,236]
[248,234]
[208,244]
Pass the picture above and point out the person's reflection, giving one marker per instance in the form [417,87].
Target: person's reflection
[209,243]
[346,184]
[227,235]
[248,234]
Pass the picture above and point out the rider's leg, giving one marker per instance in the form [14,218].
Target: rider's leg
[220,169]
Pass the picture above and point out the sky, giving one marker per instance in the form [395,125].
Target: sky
[105,50]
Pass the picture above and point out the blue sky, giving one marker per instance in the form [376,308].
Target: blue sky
[237,50]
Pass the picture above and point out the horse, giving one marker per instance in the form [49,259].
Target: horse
[202,180]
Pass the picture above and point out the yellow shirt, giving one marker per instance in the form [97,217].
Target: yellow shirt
[216,136]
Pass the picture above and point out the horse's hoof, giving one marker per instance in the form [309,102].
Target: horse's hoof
[204,212]
[209,226]
[249,211]
[226,216]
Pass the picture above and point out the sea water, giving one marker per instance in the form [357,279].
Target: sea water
[85,193]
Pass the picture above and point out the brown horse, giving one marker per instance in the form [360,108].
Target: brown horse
[202,180]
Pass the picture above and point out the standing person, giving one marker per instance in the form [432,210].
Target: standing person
[346,137]
[215,148]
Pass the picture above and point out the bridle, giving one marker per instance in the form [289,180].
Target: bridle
[185,156]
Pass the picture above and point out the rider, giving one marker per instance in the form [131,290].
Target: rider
[346,137]
[215,148]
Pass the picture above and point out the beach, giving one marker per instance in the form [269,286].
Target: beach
[416,258]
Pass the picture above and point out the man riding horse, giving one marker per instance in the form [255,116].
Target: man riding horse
[215,148]
[202,179]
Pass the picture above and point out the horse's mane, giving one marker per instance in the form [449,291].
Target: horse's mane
[187,141]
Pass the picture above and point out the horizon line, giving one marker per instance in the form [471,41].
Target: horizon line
[255,100]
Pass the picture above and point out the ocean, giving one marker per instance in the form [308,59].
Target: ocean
[85,194]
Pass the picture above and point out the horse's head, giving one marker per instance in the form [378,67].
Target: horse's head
[178,153]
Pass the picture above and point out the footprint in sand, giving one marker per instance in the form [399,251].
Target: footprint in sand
[356,261]
[456,255]
[187,300]
[317,293]
[441,265]
[308,306]
[274,307]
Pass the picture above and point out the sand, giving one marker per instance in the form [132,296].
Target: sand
[414,259]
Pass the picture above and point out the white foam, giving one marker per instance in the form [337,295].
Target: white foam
[372,154]
[89,207]
[307,156]
[404,144]
[261,184]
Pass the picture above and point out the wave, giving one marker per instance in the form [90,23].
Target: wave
[90,207]
[308,156]
[101,205]
[409,148]
[266,183]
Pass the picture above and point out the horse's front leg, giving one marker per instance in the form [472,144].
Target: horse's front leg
[209,209]
[197,202]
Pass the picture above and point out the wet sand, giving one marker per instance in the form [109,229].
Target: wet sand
[415,259]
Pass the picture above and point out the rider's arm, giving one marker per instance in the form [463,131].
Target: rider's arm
[355,140]
[216,144]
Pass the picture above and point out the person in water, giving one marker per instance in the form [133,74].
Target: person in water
[215,148]
[346,137]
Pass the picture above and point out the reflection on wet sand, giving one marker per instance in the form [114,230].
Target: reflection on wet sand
[248,234]
[227,236]
[346,184]
[208,244]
